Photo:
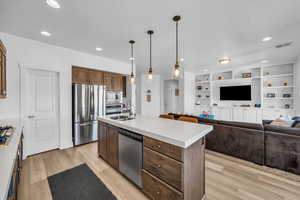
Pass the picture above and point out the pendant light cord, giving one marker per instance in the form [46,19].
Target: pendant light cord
[132,58]
[150,51]
[177,42]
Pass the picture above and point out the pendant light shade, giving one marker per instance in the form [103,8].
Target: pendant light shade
[177,70]
[150,73]
[132,78]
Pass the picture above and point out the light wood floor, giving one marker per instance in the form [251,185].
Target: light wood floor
[226,177]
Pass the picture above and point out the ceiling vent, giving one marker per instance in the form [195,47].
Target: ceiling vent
[283,45]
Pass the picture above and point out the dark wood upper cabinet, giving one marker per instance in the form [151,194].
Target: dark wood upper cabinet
[96,77]
[80,75]
[3,91]
[107,80]
[116,82]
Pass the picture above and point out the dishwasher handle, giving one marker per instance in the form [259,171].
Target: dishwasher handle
[131,135]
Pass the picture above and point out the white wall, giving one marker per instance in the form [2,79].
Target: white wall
[156,107]
[170,100]
[297,92]
[138,94]
[187,93]
[151,108]
[21,51]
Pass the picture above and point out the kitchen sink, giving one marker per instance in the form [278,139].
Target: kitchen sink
[122,118]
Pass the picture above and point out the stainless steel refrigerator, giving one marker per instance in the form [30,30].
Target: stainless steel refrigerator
[88,102]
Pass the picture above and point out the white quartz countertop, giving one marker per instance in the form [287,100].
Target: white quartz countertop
[179,133]
[8,155]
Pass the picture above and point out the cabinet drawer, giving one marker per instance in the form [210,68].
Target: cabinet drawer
[157,190]
[164,148]
[164,168]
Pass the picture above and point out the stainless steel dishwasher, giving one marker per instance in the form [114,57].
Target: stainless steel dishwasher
[131,155]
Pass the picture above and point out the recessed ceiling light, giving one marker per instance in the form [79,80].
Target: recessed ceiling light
[45,33]
[99,49]
[131,58]
[266,39]
[53,3]
[225,61]
[181,59]
[265,61]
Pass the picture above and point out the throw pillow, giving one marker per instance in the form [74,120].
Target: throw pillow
[297,125]
[285,123]
[296,118]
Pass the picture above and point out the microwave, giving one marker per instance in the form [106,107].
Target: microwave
[114,97]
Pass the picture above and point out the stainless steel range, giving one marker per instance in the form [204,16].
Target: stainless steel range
[5,134]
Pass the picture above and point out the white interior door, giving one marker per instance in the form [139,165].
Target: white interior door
[41,111]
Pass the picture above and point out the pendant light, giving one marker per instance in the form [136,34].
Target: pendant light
[150,73]
[177,69]
[132,79]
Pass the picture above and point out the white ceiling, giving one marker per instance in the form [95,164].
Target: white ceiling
[209,30]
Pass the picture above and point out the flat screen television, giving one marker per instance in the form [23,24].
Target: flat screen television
[235,93]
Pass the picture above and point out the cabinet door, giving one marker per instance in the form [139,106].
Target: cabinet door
[120,82]
[2,71]
[102,139]
[223,113]
[259,115]
[80,75]
[107,80]
[238,114]
[124,86]
[250,115]
[116,82]
[96,77]
[113,147]
[216,112]
[271,114]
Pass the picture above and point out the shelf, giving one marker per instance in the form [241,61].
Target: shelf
[278,98]
[276,109]
[278,87]
[277,76]
[238,79]
[247,79]
[202,82]
[223,80]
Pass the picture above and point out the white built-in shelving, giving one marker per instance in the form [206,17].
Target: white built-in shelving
[279,80]
[272,87]
[203,90]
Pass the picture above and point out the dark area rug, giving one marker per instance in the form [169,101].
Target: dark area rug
[78,183]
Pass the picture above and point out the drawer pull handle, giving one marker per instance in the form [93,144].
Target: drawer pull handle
[157,192]
[158,146]
[158,166]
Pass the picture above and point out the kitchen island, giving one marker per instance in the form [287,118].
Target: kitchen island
[165,158]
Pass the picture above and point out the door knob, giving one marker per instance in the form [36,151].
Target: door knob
[31,116]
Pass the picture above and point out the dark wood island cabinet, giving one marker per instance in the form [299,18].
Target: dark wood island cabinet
[169,172]
[178,173]
[108,144]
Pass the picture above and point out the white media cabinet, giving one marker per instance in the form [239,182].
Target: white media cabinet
[272,87]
